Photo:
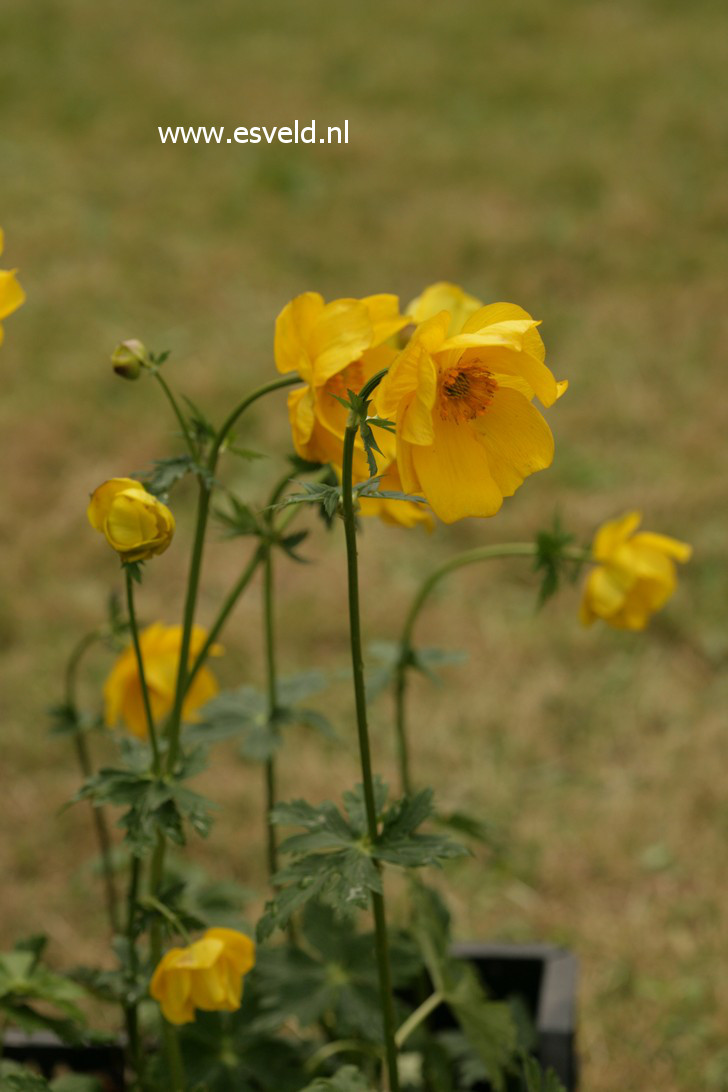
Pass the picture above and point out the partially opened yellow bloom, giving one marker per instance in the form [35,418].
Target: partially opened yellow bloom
[635,574]
[206,975]
[135,523]
[160,647]
[461,395]
[12,295]
[334,347]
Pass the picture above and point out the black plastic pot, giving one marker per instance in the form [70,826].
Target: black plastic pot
[541,976]
[544,979]
[51,1058]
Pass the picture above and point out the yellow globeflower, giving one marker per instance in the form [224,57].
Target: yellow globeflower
[160,646]
[135,523]
[205,975]
[334,347]
[461,395]
[12,295]
[635,576]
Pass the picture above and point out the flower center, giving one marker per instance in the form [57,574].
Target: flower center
[351,378]
[466,391]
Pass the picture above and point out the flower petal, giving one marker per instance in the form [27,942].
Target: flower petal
[293,330]
[516,438]
[613,534]
[444,296]
[455,473]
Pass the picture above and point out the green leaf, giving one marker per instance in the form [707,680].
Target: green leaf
[155,805]
[165,474]
[15,1078]
[550,561]
[202,429]
[399,843]
[487,1025]
[535,1079]
[239,520]
[335,859]
[347,1079]
[244,713]
[328,496]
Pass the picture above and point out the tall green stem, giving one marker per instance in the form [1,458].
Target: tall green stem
[380,925]
[131,1015]
[152,731]
[469,557]
[203,509]
[86,767]
[272,704]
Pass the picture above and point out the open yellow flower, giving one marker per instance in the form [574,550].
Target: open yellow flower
[160,646]
[12,295]
[461,395]
[334,347]
[135,523]
[207,975]
[635,574]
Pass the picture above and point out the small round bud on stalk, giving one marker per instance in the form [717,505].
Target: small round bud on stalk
[129,358]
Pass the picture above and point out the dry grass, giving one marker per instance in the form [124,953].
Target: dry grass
[571,158]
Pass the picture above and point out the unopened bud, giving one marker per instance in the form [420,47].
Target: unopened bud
[129,358]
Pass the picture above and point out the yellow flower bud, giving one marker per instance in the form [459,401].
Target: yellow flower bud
[205,975]
[135,523]
[129,358]
[635,576]
[160,647]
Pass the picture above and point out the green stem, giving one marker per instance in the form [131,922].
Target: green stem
[142,675]
[154,904]
[191,445]
[224,613]
[416,1018]
[469,557]
[131,1015]
[267,388]
[380,925]
[86,767]
[173,1054]
[272,704]
[203,509]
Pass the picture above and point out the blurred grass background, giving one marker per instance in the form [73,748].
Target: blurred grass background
[569,157]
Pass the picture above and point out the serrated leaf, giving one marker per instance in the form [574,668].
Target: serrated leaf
[550,562]
[239,520]
[165,474]
[202,429]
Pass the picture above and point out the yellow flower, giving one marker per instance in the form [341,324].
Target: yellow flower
[205,975]
[12,295]
[635,576]
[135,523]
[334,347]
[160,646]
[461,395]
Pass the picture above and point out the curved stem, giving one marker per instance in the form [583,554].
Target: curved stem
[191,445]
[203,509]
[380,925]
[85,764]
[469,557]
[142,676]
[267,388]
[420,1014]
